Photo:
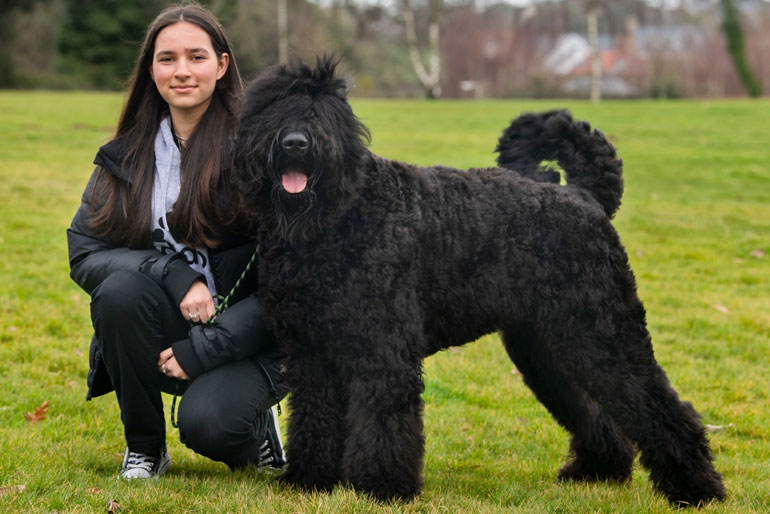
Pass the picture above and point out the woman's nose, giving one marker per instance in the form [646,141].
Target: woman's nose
[182,69]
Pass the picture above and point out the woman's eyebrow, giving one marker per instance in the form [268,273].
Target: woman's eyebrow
[187,50]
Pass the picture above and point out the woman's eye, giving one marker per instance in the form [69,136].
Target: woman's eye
[197,57]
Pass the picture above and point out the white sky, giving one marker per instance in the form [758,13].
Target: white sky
[483,3]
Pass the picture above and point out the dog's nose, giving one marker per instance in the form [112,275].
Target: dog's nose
[294,142]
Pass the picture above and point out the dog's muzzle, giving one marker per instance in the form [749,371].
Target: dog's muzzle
[295,145]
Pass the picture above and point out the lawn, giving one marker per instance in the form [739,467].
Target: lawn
[695,220]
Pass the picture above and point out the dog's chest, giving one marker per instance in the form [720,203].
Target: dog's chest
[344,264]
[307,274]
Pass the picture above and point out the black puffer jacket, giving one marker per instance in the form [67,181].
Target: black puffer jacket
[238,333]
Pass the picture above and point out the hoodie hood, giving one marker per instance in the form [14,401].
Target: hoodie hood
[111,156]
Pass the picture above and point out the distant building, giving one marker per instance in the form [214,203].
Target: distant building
[571,59]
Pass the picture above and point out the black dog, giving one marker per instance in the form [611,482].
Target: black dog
[370,265]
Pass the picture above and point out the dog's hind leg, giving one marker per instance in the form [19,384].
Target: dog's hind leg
[385,445]
[619,371]
[599,450]
[316,429]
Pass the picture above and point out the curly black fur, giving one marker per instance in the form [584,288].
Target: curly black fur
[370,265]
[592,161]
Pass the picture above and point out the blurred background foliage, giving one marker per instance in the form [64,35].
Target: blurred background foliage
[648,48]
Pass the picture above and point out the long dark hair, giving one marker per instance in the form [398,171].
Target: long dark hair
[123,216]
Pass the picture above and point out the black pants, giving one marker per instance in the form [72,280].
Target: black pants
[223,413]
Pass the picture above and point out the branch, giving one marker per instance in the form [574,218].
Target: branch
[429,78]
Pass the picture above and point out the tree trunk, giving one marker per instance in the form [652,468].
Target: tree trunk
[429,79]
[593,40]
[283,32]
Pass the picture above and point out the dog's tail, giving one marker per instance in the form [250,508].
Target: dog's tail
[586,156]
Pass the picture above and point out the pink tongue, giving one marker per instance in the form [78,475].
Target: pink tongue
[294,181]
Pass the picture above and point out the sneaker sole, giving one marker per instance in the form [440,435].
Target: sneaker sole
[277,430]
[164,465]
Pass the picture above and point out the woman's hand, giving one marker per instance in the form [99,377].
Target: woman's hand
[168,365]
[197,304]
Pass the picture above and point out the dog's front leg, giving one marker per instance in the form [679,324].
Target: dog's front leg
[316,431]
[384,450]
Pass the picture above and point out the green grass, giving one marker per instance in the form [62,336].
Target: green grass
[697,204]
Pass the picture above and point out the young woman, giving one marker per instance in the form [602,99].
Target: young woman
[158,236]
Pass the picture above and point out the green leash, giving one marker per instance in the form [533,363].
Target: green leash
[224,303]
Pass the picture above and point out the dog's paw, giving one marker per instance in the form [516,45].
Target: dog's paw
[583,470]
[384,491]
[693,490]
[306,482]
[614,464]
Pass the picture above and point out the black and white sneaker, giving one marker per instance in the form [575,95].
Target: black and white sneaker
[271,451]
[143,466]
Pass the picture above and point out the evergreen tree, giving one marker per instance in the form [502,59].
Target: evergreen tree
[734,35]
[100,39]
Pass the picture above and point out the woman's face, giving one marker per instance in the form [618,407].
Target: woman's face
[185,67]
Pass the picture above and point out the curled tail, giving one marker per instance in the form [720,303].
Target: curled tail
[588,159]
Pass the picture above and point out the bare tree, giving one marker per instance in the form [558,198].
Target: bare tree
[283,32]
[593,39]
[428,78]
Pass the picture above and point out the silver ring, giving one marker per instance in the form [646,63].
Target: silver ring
[193,316]
[163,368]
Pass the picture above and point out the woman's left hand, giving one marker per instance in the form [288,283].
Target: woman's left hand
[197,304]
[168,365]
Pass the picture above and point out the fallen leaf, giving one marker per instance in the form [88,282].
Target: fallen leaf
[757,254]
[721,308]
[639,253]
[515,372]
[94,490]
[12,489]
[113,506]
[39,413]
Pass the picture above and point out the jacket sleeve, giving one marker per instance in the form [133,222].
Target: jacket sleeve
[238,333]
[93,259]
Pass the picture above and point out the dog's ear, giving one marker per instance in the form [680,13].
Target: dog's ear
[244,158]
[345,85]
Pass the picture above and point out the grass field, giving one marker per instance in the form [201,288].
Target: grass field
[695,220]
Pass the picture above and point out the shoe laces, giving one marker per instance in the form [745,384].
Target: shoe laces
[140,461]
[265,454]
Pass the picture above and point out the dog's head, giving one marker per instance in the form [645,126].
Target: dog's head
[300,148]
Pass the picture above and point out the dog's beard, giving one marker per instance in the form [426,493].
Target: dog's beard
[307,191]
[296,216]
[296,210]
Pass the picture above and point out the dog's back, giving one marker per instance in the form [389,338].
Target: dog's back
[484,245]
